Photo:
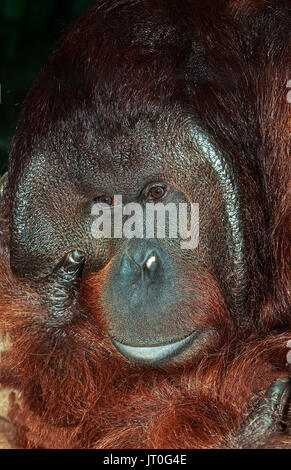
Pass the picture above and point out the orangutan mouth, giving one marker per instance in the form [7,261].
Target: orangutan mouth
[153,355]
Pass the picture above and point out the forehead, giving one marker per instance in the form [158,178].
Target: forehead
[148,150]
[139,148]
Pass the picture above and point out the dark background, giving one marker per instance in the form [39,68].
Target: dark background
[29,30]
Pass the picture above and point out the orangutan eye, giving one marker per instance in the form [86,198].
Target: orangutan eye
[105,199]
[157,192]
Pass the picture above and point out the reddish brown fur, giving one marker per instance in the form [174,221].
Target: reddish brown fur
[89,396]
[78,392]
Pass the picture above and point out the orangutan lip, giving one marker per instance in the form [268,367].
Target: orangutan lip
[152,355]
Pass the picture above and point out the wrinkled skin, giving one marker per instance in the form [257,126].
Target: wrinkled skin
[143,326]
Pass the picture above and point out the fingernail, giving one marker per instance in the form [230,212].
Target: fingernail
[77,256]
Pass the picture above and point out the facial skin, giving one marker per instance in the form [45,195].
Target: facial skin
[152,345]
[144,307]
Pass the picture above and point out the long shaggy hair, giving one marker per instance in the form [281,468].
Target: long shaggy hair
[228,60]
